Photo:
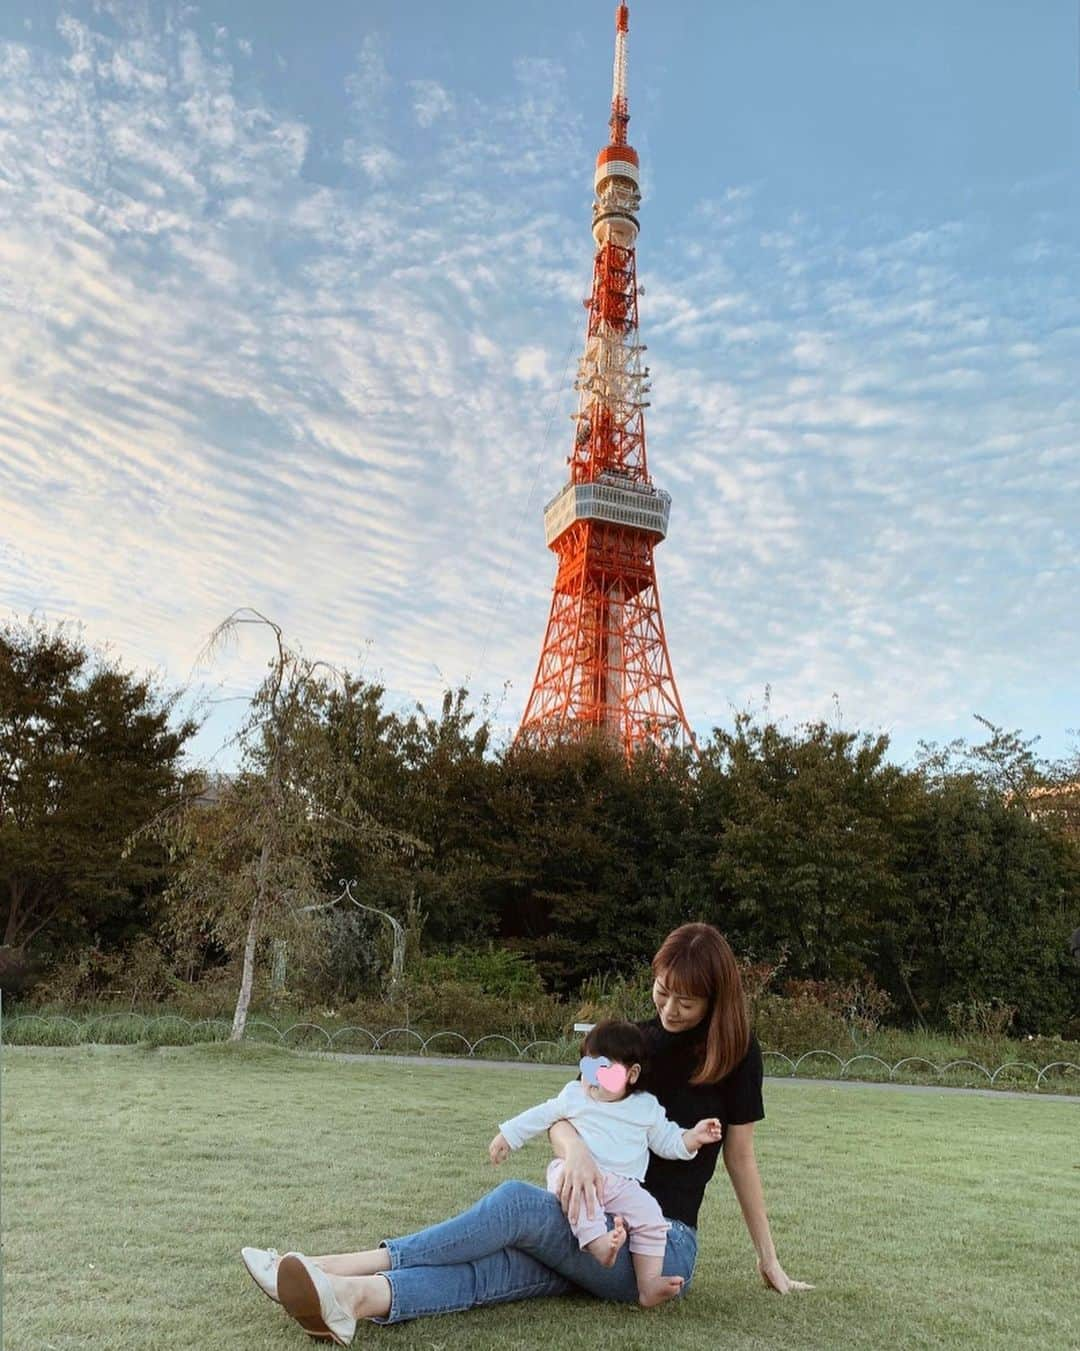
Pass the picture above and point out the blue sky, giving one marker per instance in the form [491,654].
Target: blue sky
[291,306]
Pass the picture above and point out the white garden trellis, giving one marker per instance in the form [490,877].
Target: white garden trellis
[397,959]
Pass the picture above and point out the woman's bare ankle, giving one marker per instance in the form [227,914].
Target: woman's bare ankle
[368,1263]
[363,1296]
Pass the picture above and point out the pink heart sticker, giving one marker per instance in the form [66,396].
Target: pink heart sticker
[611,1078]
[589,1064]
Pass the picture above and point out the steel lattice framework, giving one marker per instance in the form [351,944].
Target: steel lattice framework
[604,665]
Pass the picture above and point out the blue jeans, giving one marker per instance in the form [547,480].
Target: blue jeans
[514,1243]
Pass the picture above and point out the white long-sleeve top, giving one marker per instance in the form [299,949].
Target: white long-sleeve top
[619,1134]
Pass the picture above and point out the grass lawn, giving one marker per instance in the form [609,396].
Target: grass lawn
[132,1176]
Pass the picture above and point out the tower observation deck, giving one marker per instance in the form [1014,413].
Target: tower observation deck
[604,666]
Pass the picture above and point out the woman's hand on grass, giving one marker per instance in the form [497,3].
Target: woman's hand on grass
[581,1181]
[776,1278]
[499,1149]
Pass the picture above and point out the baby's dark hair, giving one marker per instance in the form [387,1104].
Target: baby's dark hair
[619,1041]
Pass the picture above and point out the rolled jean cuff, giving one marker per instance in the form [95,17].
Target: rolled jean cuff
[395,1258]
[394,1315]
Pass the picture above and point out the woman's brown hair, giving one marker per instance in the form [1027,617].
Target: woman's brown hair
[696,960]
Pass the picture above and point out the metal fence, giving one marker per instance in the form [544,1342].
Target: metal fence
[132,1028]
[1062,1067]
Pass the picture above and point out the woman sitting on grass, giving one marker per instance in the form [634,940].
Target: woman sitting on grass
[516,1242]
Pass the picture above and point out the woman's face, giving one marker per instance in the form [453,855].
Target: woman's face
[678,1012]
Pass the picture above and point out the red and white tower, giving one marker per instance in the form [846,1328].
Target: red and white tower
[604,666]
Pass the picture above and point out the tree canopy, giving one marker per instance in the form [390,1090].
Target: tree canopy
[89,752]
[955,878]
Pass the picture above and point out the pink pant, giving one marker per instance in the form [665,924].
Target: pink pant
[623,1196]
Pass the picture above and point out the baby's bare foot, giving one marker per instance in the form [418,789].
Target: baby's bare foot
[652,1293]
[606,1248]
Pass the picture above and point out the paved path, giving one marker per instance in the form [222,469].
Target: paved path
[472,1061]
[564,1070]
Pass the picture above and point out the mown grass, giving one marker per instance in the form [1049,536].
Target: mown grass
[131,1177]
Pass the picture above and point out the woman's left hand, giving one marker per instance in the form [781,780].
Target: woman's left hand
[776,1278]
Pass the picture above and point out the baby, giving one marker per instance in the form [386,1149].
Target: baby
[620,1124]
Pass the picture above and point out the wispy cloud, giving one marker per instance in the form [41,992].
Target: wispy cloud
[431,102]
[863,497]
[343,400]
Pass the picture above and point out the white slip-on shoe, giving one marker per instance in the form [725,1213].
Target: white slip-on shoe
[262,1265]
[304,1290]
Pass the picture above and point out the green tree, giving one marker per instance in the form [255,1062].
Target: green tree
[804,846]
[88,753]
[1005,763]
[419,775]
[985,907]
[586,844]
[450,784]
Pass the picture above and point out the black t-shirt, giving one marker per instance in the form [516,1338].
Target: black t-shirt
[736,1100]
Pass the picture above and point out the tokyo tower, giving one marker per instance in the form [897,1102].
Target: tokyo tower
[604,667]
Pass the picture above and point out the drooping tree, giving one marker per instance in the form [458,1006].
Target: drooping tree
[257,865]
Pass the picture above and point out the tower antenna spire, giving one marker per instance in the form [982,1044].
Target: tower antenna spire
[620,110]
[604,668]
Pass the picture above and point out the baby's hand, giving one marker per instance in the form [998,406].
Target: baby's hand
[708,1132]
[499,1149]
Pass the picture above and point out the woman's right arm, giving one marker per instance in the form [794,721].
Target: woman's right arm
[581,1178]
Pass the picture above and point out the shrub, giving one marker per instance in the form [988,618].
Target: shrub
[611,995]
[456,1006]
[797,1023]
[1046,1050]
[141,974]
[757,977]
[459,1007]
[859,1003]
[213,995]
[866,1004]
[78,980]
[988,1018]
[19,971]
[492,970]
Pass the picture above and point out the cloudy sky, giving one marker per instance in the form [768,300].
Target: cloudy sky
[290,303]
